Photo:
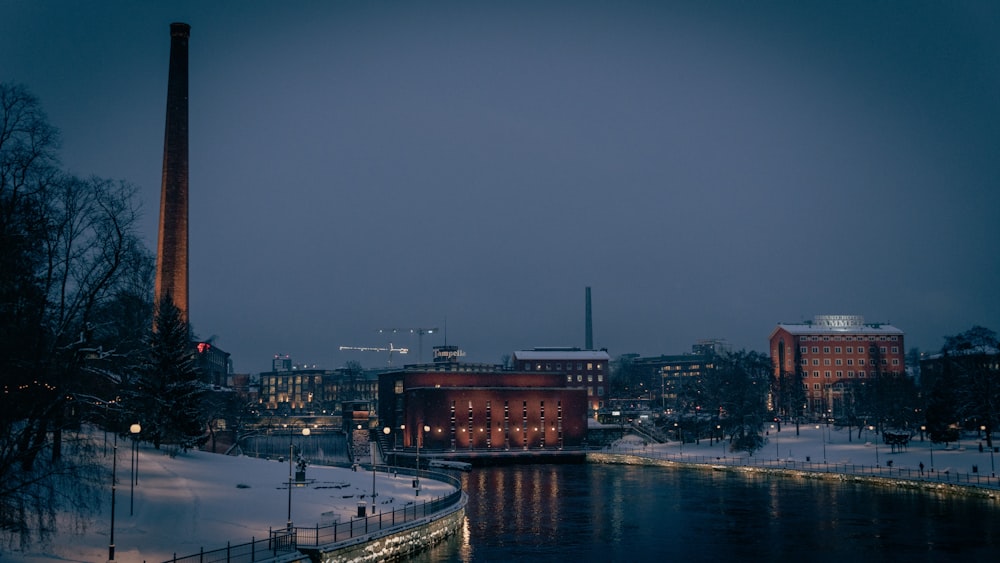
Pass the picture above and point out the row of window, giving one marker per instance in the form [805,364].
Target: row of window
[547,366]
[851,338]
[590,378]
[850,361]
[850,349]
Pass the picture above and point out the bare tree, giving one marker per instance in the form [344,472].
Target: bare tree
[972,357]
[65,248]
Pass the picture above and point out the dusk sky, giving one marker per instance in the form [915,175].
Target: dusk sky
[709,169]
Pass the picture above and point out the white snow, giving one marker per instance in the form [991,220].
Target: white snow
[193,500]
[198,499]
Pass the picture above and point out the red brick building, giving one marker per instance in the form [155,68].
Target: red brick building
[472,407]
[834,352]
[583,369]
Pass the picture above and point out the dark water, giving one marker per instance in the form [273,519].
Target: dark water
[613,513]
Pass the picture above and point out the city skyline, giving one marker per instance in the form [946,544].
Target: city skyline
[709,171]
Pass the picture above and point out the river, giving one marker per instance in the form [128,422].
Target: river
[593,512]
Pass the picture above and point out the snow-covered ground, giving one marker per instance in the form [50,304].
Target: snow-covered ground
[197,499]
[830,446]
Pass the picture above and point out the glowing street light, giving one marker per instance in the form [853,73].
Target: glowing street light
[134,429]
[291,454]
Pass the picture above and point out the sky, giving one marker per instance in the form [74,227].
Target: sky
[709,169]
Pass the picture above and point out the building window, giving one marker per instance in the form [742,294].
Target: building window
[850,374]
[815,361]
[861,361]
[850,349]
[815,349]
[804,350]
[826,374]
[600,377]
[826,361]
[895,361]
[816,386]
[840,374]
[850,361]
[861,373]
[815,374]
[838,361]
[590,366]
[805,362]
[826,349]
[837,349]
[600,366]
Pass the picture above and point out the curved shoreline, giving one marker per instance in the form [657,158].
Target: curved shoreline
[958,489]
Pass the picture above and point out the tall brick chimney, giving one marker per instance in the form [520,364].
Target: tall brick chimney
[172,248]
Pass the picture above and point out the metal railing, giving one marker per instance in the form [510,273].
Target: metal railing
[975,479]
[285,541]
[279,542]
[373,523]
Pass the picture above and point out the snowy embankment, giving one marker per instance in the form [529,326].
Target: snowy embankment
[192,500]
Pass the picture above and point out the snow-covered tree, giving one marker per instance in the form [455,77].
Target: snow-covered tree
[167,397]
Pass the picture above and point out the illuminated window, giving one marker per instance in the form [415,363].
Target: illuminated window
[590,365]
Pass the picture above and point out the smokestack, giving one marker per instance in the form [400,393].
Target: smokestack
[589,324]
[172,247]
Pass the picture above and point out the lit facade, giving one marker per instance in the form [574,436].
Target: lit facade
[833,353]
[580,369]
[490,410]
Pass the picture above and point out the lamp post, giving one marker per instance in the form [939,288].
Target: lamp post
[134,429]
[291,454]
[872,428]
[777,453]
[386,430]
[420,433]
[114,470]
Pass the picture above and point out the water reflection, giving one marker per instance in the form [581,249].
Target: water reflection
[631,513]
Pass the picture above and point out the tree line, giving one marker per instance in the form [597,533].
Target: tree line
[77,343]
[738,394]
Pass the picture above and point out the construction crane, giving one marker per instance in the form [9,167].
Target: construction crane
[420,332]
[390,350]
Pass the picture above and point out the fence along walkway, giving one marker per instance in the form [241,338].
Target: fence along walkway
[977,479]
[286,541]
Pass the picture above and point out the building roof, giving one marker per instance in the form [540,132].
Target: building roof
[564,354]
[810,328]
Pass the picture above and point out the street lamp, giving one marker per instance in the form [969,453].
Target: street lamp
[777,454]
[872,428]
[114,471]
[291,454]
[989,441]
[134,429]
[822,438]
[386,430]
[416,481]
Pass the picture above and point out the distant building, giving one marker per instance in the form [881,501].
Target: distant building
[662,376]
[582,369]
[213,363]
[298,391]
[833,353]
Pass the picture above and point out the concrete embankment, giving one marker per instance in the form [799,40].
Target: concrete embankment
[395,543]
[875,480]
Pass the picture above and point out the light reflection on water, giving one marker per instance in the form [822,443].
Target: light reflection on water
[614,513]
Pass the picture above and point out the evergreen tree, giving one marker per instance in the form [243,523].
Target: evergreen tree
[169,395]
